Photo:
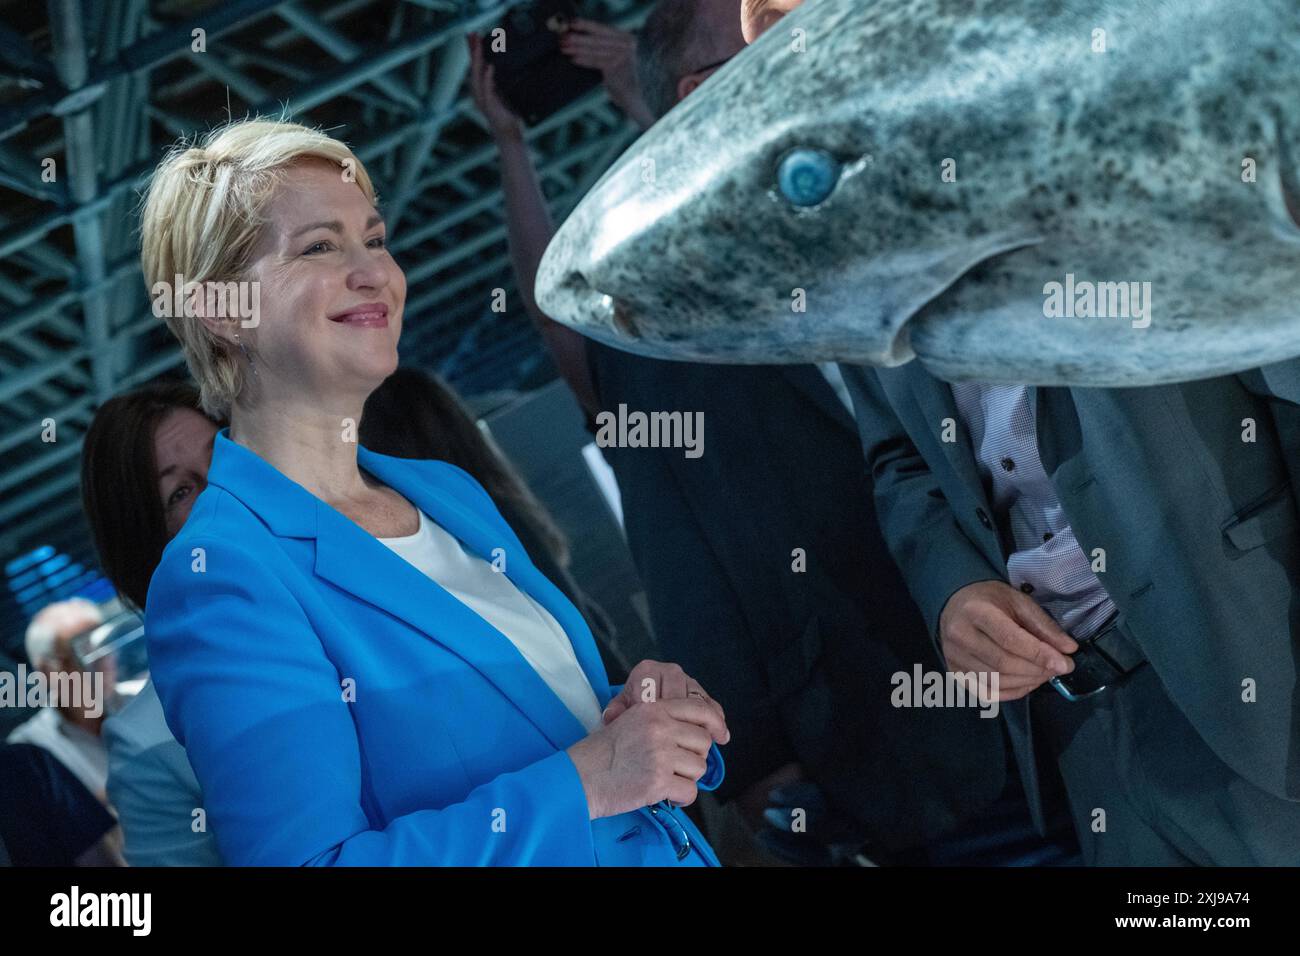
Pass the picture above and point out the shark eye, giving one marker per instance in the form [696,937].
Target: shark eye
[807,176]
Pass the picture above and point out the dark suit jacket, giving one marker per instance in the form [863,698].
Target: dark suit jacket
[47,816]
[801,661]
[1198,525]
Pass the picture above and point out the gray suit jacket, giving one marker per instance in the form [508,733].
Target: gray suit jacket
[1199,527]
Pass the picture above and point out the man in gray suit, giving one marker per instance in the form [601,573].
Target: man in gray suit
[1159,528]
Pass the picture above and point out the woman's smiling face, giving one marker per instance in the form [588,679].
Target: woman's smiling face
[330,296]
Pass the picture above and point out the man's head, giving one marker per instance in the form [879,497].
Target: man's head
[680,46]
[757,15]
[49,648]
[50,633]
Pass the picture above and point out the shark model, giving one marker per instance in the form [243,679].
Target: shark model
[1043,191]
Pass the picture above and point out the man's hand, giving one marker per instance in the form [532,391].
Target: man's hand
[990,626]
[502,123]
[598,46]
[650,681]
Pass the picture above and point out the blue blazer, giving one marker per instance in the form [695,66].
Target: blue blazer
[339,707]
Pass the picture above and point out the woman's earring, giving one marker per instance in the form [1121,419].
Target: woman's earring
[243,348]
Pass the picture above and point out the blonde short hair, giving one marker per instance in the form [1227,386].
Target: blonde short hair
[201,216]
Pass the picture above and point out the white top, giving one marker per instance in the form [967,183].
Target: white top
[79,750]
[494,597]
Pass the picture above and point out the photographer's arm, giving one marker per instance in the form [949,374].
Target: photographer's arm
[529,227]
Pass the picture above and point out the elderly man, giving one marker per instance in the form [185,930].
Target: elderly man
[69,729]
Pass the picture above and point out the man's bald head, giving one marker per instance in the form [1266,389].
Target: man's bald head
[680,45]
[48,641]
[757,15]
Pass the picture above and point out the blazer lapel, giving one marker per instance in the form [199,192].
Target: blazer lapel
[352,559]
[531,581]
[936,402]
[808,379]
[1060,438]
[482,537]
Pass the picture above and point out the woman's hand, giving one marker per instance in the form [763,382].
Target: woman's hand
[654,680]
[651,752]
[502,122]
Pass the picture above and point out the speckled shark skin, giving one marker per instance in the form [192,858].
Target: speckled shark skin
[1116,166]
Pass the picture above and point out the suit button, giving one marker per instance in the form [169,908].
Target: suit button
[984,517]
[1027,588]
[1008,464]
[1047,536]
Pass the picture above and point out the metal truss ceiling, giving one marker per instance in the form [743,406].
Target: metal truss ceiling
[101,87]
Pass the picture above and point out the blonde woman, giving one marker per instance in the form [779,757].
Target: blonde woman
[359,657]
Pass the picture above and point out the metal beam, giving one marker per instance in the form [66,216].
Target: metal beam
[75,319]
[341,48]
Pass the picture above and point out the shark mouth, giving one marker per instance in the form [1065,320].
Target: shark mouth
[1288,183]
[1291,199]
[610,313]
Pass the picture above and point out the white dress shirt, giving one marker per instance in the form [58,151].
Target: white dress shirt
[494,597]
[1048,563]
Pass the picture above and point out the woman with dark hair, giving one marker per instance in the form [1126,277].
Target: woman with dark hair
[417,415]
[143,463]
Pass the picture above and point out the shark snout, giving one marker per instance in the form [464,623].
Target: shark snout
[574,297]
